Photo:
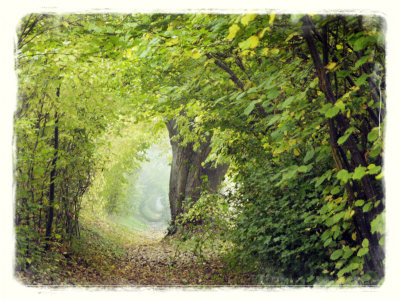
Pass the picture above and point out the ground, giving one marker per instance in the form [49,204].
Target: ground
[108,255]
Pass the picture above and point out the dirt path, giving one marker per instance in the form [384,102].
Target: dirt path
[149,261]
[153,262]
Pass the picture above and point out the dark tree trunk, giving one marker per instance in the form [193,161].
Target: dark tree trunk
[339,123]
[50,214]
[188,175]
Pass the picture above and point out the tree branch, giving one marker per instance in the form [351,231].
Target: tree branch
[225,67]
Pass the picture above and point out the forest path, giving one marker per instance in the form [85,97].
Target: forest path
[146,259]
[152,261]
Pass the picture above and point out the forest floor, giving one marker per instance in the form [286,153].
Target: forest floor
[111,255]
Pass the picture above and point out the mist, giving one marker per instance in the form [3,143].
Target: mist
[148,192]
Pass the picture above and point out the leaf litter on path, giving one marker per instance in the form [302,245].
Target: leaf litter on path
[147,260]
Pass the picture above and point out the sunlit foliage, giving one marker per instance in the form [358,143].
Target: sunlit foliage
[295,105]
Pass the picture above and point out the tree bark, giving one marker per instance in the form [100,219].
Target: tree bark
[362,221]
[50,214]
[188,174]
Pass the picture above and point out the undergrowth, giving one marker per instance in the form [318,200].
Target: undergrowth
[100,245]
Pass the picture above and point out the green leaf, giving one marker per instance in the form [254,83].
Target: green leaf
[273,93]
[336,231]
[325,108]
[339,104]
[365,243]
[277,135]
[366,277]
[319,181]
[335,190]
[377,225]
[262,32]
[343,73]
[359,172]
[344,138]
[359,203]
[289,174]
[291,36]
[336,254]
[220,99]
[246,19]
[250,108]
[253,90]
[330,66]
[309,155]
[271,19]
[341,280]
[233,30]
[327,242]
[302,169]
[372,169]
[332,112]
[347,252]
[360,81]
[343,175]
[274,119]
[376,149]
[361,61]
[342,271]
[354,266]
[337,217]
[287,101]
[361,43]
[367,207]
[309,219]
[310,278]
[250,43]
[196,55]
[373,134]
[325,235]
[362,252]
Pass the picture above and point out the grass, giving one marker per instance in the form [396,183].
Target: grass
[115,230]
[130,223]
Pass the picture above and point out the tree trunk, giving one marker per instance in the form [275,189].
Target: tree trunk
[189,175]
[362,220]
[50,214]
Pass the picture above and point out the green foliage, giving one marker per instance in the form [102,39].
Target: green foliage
[205,225]
[377,225]
[68,103]
[121,153]
[270,232]
[303,137]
